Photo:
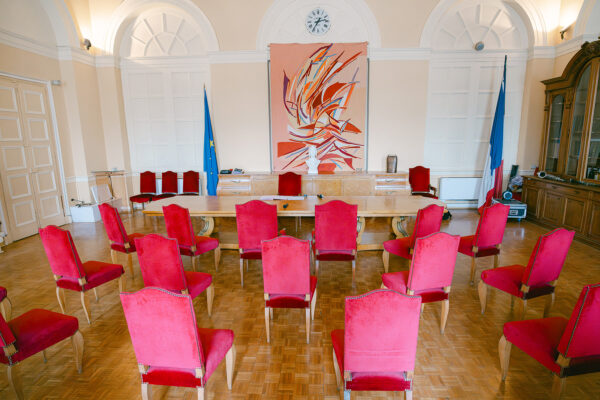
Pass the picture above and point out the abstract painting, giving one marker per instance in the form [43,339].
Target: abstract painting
[318,98]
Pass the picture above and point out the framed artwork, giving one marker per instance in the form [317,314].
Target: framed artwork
[318,95]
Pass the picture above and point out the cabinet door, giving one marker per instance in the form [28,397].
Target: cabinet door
[594,221]
[531,197]
[551,162]
[553,208]
[574,213]
[592,168]
[579,115]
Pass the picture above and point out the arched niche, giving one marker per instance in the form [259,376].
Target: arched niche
[588,20]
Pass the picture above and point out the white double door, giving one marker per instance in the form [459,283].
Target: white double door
[30,180]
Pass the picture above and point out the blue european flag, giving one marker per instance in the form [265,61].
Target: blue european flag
[210,158]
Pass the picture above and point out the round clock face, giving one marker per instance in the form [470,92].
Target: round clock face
[317,21]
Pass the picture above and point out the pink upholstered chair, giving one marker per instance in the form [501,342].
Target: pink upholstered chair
[377,349]
[147,189]
[256,221]
[428,221]
[287,279]
[70,273]
[290,184]
[34,332]
[5,304]
[566,347]
[179,226]
[168,185]
[191,183]
[418,178]
[430,274]
[161,267]
[538,278]
[487,238]
[170,348]
[335,233]
[120,241]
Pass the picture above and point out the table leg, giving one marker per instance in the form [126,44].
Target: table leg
[398,226]
[208,227]
[360,228]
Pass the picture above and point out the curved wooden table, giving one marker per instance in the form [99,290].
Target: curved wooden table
[207,207]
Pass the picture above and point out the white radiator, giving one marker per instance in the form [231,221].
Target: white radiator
[459,192]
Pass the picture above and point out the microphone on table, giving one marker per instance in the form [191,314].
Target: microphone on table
[285,205]
[320,196]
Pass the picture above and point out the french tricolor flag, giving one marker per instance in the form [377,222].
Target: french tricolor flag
[491,182]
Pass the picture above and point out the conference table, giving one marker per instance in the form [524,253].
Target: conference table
[398,207]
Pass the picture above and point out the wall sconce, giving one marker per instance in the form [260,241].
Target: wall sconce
[562,33]
[87,44]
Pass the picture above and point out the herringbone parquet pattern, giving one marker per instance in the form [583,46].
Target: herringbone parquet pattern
[461,364]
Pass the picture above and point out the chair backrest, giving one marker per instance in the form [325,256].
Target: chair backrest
[160,262]
[490,229]
[286,265]
[381,329]
[179,224]
[191,182]
[433,261]
[429,220]
[335,226]
[256,221]
[169,182]
[580,338]
[548,257]
[113,224]
[61,252]
[290,184]
[418,178]
[163,329]
[147,182]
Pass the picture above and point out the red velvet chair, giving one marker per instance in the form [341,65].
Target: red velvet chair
[161,267]
[120,241]
[5,304]
[487,238]
[429,220]
[566,347]
[377,349]
[430,274]
[170,348]
[287,279]
[179,226]
[538,278]
[147,189]
[290,184]
[34,332]
[168,185]
[418,178]
[70,273]
[256,221]
[334,237]
[191,183]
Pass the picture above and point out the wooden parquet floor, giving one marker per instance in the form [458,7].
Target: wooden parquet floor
[462,364]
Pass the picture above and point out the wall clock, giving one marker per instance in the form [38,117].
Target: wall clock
[318,22]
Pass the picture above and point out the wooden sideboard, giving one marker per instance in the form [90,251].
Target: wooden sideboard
[339,184]
[560,204]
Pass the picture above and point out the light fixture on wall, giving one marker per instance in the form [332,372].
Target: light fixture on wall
[479,46]
[562,33]
[87,44]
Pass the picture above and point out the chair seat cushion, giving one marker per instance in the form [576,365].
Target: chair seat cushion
[385,381]
[398,281]
[203,245]
[251,254]
[537,337]
[164,196]
[171,377]
[292,301]
[465,246]
[141,198]
[507,279]
[197,282]
[120,247]
[189,194]
[3,293]
[37,330]
[399,247]
[424,194]
[335,255]
[97,273]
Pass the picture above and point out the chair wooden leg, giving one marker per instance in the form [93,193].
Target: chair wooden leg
[386,261]
[121,284]
[113,256]
[408,394]
[307,325]
[85,309]
[445,310]
[504,347]
[60,295]
[267,324]
[353,270]
[482,289]
[77,342]
[336,368]
[44,356]
[96,295]
[316,267]
[217,257]
[200,391]
[523,309]
[313,304]
[472,281]
[145,391]
[130,264]
[347,394]
[6,308]
[242,271]
[272,313]
[496,261]
[229,364]
[549,304]
[210,294]
[14,380]
[194,263]
[558,386]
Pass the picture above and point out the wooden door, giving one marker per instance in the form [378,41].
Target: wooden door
[28,165]
[531,196]
[553,207]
